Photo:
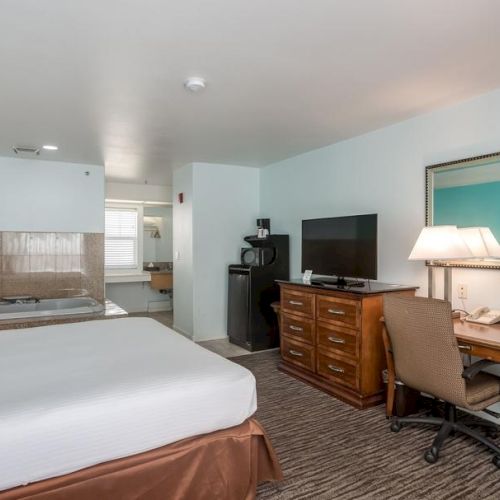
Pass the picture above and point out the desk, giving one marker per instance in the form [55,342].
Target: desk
[482,341]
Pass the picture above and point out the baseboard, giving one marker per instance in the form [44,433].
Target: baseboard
[159,306]
[182,332]
[211,338]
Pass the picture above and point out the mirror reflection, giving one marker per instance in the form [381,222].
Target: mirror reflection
[158,239]
[468,197]
[467,194]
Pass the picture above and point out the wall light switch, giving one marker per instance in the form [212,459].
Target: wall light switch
[462,291]
[177,255]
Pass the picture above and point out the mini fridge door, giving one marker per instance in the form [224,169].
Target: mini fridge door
[239,305]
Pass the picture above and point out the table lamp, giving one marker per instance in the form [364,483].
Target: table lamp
[481,242]
[440,243]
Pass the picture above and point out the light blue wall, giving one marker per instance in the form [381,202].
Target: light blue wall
[225,209]
[51,196]
[384,172]
[469,206]
[221,205]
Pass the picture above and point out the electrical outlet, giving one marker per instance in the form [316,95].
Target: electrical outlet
[462,291]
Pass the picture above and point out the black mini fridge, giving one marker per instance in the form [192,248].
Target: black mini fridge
[251,322]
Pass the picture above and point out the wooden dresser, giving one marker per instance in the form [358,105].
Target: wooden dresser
[332,338]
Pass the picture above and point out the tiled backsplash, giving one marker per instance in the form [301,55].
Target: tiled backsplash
[52,265]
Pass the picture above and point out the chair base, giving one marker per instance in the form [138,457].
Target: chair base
[448,426]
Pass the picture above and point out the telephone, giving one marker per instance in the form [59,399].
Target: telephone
[483,315]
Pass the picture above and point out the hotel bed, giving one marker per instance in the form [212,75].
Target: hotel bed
[125,408]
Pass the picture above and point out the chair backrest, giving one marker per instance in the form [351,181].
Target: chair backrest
[424,346]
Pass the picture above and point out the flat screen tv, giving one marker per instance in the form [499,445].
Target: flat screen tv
[341,247]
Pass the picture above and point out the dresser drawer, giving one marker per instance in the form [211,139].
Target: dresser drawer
[298,328]
[298,353]
[337,369]
[300,303]
[343,340]
[340,311]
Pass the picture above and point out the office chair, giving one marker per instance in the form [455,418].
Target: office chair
[423,353]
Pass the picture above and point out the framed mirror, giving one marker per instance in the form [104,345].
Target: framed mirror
[466,193]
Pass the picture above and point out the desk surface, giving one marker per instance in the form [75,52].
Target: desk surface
[477,334]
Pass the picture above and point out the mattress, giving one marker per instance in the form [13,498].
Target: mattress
[75,395]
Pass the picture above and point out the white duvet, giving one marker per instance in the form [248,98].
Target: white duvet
[76,395]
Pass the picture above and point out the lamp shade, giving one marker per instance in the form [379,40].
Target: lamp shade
[440,243]
[480,241]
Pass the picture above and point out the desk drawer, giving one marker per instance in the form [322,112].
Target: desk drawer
[298,353]
[483,352]
[340,339]
[298,328]
[337,369]
[340,311]
[300,303]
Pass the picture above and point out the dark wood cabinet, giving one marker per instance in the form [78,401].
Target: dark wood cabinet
[332,339]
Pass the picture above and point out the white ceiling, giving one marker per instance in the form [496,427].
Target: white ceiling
[103,78]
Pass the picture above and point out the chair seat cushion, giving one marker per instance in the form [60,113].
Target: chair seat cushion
[482,388]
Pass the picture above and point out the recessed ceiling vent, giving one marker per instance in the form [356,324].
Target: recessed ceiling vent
[26,150]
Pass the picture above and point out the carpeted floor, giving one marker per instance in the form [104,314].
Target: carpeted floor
[329,450]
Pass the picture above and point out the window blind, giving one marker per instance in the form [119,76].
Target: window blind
[120,250]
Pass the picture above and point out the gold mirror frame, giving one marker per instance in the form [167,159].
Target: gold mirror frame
[430,170]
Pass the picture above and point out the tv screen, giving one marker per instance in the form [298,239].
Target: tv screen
[341,246]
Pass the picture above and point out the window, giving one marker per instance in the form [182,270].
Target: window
[121,250]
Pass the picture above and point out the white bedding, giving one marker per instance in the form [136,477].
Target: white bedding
[75,395]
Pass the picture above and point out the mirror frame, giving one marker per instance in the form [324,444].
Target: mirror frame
[430,170]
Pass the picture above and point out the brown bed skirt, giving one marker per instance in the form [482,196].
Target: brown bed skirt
[222,465]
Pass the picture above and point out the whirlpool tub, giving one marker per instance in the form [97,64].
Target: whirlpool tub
[32,308]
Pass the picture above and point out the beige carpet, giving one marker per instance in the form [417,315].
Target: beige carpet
[329,450]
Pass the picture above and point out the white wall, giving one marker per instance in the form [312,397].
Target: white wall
[225,209]
[384,172]
[221,203]
[50,196]
[138,192]
[137,297]
[183,250]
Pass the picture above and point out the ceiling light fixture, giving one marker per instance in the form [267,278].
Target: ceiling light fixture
[50,147]
[195,84]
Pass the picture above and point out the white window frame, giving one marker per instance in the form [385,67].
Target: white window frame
[139,239]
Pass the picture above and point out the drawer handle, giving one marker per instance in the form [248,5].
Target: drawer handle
[465,347]
[296,328]
[336,340]
[295,303]
[338,312]
[296,353]
[336,369]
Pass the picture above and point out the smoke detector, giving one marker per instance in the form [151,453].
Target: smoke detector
[195,84]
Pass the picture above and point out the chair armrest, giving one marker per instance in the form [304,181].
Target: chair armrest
[471,371]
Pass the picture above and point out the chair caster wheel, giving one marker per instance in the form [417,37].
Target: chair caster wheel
[395,426]
[431,457]
[496,461]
